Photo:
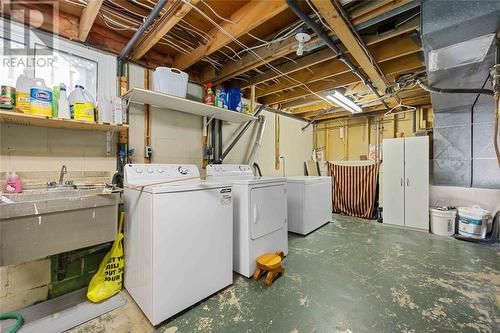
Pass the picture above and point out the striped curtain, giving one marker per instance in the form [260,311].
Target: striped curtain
[354,189]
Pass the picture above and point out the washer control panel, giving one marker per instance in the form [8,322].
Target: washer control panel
[228,170]
[136,174]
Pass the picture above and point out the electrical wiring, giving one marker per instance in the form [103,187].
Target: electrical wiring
[215,13]
[118,26]
[183,21]
[318,15]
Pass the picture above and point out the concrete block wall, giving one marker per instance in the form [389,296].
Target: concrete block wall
[24,284]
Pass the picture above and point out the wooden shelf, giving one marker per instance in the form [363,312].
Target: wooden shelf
[41,121]
[174,103]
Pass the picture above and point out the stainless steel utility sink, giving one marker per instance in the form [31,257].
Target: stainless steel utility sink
[43,222]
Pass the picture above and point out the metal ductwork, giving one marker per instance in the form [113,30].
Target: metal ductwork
[464,153]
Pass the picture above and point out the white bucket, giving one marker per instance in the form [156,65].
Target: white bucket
[473,222]
[443,221]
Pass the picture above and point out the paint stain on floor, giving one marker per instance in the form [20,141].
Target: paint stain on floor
[351,275]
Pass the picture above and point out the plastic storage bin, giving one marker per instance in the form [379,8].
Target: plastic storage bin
[170,81]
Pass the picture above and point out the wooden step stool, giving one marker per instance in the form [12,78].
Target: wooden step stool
[270,262]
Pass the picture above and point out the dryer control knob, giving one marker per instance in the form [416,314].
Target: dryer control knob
[160,170]
[150,170]
[182,170]
[138,170]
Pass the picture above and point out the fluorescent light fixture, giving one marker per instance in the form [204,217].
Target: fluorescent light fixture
[344,102]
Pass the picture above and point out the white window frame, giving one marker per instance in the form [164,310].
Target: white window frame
[106,62]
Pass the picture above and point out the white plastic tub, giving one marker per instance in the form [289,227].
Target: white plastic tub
[443,221]
[170,81]
[473,222]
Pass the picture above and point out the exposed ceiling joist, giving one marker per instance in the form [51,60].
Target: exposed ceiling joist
[314,110]
[88,17]
[411,101]
[327,54]
[390,50]
[250,16]
[161,27]
[341,29]
[278,50]
[407,63]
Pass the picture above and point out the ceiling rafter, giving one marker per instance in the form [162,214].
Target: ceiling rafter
[250,16]
[342,30]
[161,27]
[87,18]
[387,51]
[275,51]
[326,54]
[412,101]
[410,62]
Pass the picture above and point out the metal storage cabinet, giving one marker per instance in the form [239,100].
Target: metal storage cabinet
[406,182]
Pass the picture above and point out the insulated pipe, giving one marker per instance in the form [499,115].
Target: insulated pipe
[453,90]
[238,137]
[147,22]
[258,140]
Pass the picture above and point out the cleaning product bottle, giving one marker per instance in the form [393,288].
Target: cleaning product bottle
[23,85]
[56,90]
[218,101]
[63,103]
[40,98]
[81,104]
[209,97]
[13,184]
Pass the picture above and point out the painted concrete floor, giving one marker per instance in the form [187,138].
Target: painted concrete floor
[351,275]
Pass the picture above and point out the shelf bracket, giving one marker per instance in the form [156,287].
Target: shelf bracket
[109,140]
[210,120]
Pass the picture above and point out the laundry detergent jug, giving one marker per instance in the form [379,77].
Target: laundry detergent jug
[81,104]
[23,86]
[40,98]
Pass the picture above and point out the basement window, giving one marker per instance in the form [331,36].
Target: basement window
[460,54]
[56,60]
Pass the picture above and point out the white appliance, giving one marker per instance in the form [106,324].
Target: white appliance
[406,182]
[309,203]
[178,238]
[260,214]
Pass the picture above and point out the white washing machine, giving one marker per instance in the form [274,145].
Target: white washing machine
[178,238]
[309,203]
[260,218]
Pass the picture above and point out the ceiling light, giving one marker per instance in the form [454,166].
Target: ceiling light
[344,102]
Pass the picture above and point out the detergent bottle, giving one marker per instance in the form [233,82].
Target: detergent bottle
[81,104]
[62,103]
[40,98]
[23,86]
[13,184]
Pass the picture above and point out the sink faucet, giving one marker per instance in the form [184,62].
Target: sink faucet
[61,175]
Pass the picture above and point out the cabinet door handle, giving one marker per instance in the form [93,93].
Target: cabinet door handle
[407,181]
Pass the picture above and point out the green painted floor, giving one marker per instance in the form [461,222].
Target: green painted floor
[351,275]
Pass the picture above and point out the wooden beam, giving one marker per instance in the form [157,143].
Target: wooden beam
[250,16]
[314,110]
[340,27]
[389,50]
[407,63]
[326,54]
[161,27]
[278,50]
[87,19]
[412,101]
[379,10]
